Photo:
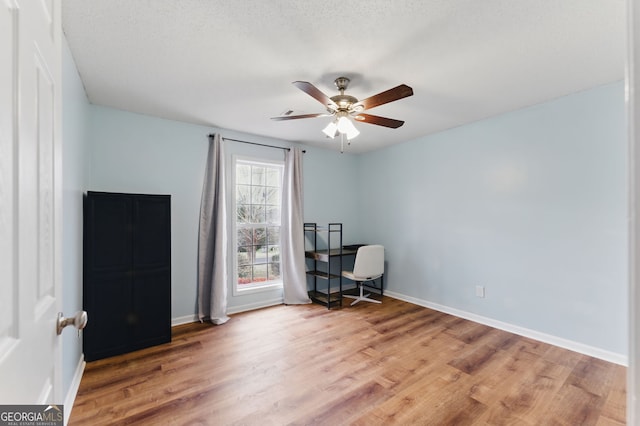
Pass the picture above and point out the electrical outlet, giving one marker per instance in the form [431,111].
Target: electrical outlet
[480,291]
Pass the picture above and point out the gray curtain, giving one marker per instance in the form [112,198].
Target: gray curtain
[212,241]
[292,235]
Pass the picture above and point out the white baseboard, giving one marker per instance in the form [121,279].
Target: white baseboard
[70,398]
[253,306]
[613,357]
[184,320]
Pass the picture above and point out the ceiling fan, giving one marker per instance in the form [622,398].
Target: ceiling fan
[344,107]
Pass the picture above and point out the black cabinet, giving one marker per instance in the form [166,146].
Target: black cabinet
[127,272]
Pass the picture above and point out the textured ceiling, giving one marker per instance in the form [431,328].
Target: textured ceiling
[230,64]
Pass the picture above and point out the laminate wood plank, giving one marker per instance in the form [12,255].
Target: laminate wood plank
[389,364]
[613,410]
[438,398]
[603,421]
[525,400]
[592,375]
[575,406]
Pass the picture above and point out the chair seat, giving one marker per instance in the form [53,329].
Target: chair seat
[349,274]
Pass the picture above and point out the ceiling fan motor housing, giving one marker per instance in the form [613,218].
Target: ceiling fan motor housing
[343,101]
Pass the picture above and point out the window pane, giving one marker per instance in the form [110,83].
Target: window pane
[273,177]
[242,194]
[272,196]
[273,215]
[257,195]
[260,236]
[244,275]
[244,256]
[257,175]
[258,214]
[273,254]
[261,255]
[243,213]
[244,237]
[273,235]
[243,174]
[260,273]
[274,271]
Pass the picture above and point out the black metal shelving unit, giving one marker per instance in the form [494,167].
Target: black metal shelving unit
[323,276]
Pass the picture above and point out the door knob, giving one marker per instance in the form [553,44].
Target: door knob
[79,321]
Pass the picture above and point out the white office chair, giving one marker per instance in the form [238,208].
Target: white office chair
[368,266]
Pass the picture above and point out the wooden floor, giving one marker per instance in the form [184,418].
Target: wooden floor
[394,363]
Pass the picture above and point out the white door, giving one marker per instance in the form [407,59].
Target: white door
[30,201]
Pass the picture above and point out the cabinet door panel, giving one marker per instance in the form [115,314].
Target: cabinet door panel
[152,236]
[152,304]
[109,233]
[107,331]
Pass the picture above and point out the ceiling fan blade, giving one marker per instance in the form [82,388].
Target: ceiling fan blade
[315,93]
[295,117]
[380,121]
[387,96]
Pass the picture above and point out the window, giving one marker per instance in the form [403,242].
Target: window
[258,189]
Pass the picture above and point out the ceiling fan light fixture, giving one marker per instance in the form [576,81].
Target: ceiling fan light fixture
[343,124]
[331,130]
[346,126]
[351,134]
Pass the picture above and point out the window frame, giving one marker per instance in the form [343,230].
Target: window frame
[261,286]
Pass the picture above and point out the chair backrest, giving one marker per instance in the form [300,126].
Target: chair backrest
[369,261]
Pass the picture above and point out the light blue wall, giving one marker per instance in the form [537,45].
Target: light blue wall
[75,108]
[331,191]
[530,204]
[141,154]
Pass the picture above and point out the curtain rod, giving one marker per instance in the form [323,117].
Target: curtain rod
[259,144]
